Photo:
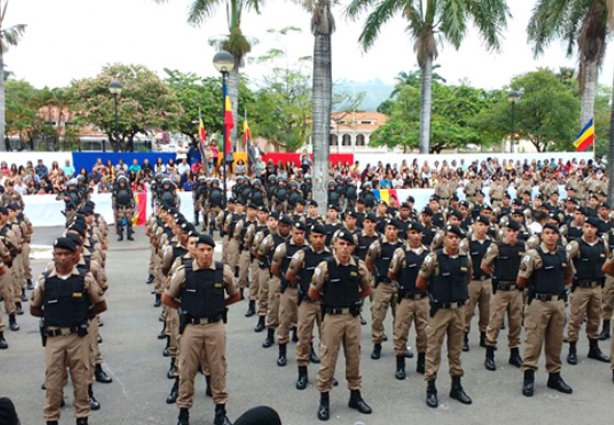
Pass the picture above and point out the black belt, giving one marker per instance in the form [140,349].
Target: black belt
[383,280]
[452,305]
[414,296]
[507,286]
[341,310]
[588,284]
[204,320]
[480,277]
[544,296]
[60,331]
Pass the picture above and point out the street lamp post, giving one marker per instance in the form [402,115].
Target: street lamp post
[513,98]
[224,62]
[115,87]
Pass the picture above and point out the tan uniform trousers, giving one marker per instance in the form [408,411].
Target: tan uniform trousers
[64,351]
[17,278]
[243,268]
[225,252]
[450,322]
[253,280]
[612,348]
[384,296]
[6,290]
[272,316]
[211,339]
[337,330]
[410,311]
[480,292]
[172,330]
[585,302]
[25,252]
[233,254]
[94,350]
[288,314]
[544,323]
[309,314]
[152,260]
[159,279]
[608,298]
[262,277]
[502,302]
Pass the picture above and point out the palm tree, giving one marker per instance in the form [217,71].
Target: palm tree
[8,37]
[582,24]
[447,19]
[235,43]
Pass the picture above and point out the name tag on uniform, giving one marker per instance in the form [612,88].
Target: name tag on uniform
[410,266]
[463,269]
[602,255]
[548,267]
[217,285]
[444,274]
[190,290]
[52,301]
[77,295]
[353,274]
[475,253]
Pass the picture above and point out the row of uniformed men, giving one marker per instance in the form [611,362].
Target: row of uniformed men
[68,298]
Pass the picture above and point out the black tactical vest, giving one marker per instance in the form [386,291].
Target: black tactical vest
[293,198]
[277,240]
[203,293]
[383,261]
[588,264]
[343,287]
[549,278]
[477,251]
[409,273]
[179,251]
[236,217]
[123,197]
[281,194]
[428,235]
[333,197]
[364,242]
[449,282]
[330,231]
[508,261]
[257,198]
[574,233]
[216,197]
[166,197]
[351,193]
[65,302]
[310,262]
[84,268]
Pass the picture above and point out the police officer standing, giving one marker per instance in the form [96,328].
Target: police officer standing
[198,288]
[123,207]
[65,298]
[545,271]
[340,282]
[445,273]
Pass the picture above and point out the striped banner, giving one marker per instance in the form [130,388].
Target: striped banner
[140,209]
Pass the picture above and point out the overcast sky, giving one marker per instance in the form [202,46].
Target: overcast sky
[70,39]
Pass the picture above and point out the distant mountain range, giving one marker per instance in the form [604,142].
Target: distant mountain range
[375,92]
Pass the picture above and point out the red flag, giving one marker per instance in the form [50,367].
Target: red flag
[201,128]
[228,121]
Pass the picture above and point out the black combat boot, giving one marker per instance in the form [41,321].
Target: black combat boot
[377,351]
[251,308]
[489,362]
[313,357]
[18,309]
[196,218]
[172,396]
[301,382]
[29,285]
[605,330]
[457,391]
[120,233]
[81,421]
[172,369]
[409,354]
[420,363]
[572,356]
[241,294]
[324,408]
[400,372]
[24,297]
[208,392]
[162,333]
[130,232]
[294,334]
[52,422]
[270,338]
[94,405]
[220,415]
[260,325]
[556,383]
[158,300]
[184,417]
[13,323]
[515,359]
[528,383]
[466,342]
[363,322]
[431,394]
[101,375]
[482,339]
[166,352]
[281,358]
[150,279]
[595,353]
[356,402]
[3,344]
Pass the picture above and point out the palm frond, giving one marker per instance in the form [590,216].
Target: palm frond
[356,7]
[490,16]
[384,10]
[453,20]
[200,10]
[11,36]
[547,22]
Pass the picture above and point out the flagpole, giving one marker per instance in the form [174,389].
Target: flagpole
[224,131]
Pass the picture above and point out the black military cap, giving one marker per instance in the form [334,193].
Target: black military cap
[13,206]
[405,205]
[252,207]
[393,222]
[187,227]
[554,216]
[435,198]
[484,220]
[301,201]
[511,224]
[299,225]
[517,211]
[428,211]
[79,227]
[261,415]
[486,207]
[65,243]
[517,202]
[344,235]
[414,225]
[239,201]
[582,210]
[75,238]
[360,201]
[285,219]
[382,202]
[479,192]
[352,214]
[263,208]
[411,199]
[507,195]
[318,228]
[333,207]
[193,233]
[206,239]
[592,221]
[541,196]
[232,201]
[603,205]
[526,192]
[455,230]
[90,204]
[86,211]
[551,226]
[464,204]
[457,214]
[4,211]
[371,217]
[313,203]
[572,200]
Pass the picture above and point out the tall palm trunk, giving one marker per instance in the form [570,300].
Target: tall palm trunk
[426,104]
[611,154]
[2,105]
[233,93]
[322,101]
[591,73]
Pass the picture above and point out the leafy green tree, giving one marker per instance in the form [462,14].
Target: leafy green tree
[22,105]
[146,103]
[446,19]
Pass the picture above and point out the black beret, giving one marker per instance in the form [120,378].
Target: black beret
[572,200]
[299,225]
[592,221]
[604,205]
[13,206]
[382,202]
[352,214]
[75,238]
[301,201]
[517,211]
[551,226]
[318,228]
[79,227]
[285,219]
[484,220]
[393,222]
[263,209]
[65,243]
[507,195]
[231,200]
[457,214]
[360,201]
[90,204]
[344,235]
[427,211]
[414,225]
[261,415]
[511,224]
[464,204]
[206,239]
[456,230]
[486,207]
[517,202]
[86,211]
[240,201]
[313,203]
[371,217]
[405,205]
[554,216]
[479,192]
[582,210]
[252,207]
[4,211]
[333,207]
[411,199]
[187,227]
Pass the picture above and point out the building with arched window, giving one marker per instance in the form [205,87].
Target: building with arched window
[351,131]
